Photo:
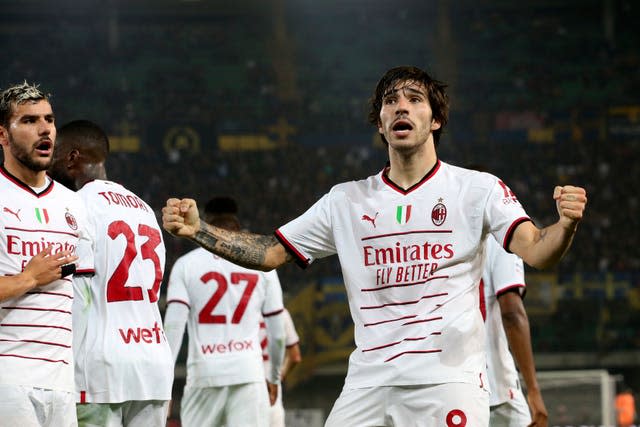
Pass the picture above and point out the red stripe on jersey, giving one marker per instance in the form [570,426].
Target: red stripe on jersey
[38,342]
[391,304]
[401,285]
[179,301]
[273,313]
[83,396]
[301,260]
[520,287]
[413,352]
[512,228]
[50,293]
[404,233]
[33,325]
[431,319]
[32,230]
[19,356]
[483,302]
[391,320]
[37,309]
[393,343]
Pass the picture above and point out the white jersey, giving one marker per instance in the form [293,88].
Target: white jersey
[226,303]
[411,261]
[35,328]
[120,348]
[503,272]
[290,338]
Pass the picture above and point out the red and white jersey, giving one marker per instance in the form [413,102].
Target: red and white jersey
[503,272]
[35,328]
[226,305]
[290,337]
[411,261]
[120,348]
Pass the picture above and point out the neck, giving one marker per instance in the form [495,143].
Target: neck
[28,176]
[407,169]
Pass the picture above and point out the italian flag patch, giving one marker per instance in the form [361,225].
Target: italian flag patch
[403,213]
[42,215]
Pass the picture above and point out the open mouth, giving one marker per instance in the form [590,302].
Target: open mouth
[44,146]
[402,127]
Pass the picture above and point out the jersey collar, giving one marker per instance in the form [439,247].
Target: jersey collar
[22,185]
[415,186]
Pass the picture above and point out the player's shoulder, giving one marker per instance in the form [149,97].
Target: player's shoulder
[59,190]
[469,177]
[113,192]
[358,186]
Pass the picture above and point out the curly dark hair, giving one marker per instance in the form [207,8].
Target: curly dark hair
[436,93]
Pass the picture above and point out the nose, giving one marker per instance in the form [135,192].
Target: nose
[402,106]
[45,127]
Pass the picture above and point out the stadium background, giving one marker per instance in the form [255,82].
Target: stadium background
[266,100]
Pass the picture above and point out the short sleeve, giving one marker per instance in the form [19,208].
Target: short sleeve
[503,213]
[273,294]
[505,270]
[291,335]
[177,287]
[310,236]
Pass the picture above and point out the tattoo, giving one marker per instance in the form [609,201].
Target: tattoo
[245,249]
[543,233]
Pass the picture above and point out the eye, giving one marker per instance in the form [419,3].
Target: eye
[389,100]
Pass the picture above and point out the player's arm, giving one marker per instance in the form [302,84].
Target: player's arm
[260,252]
[292,357]
[516,326]
[175,320]
[275,348]
[41,270]
[542,248]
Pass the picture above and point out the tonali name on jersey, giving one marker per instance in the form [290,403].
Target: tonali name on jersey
[226,304]
[35,328]
[120,348]
[411,261]
[126,200]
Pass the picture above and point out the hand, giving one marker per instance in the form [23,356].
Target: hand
[46,267]
[570,202]
[181,217]
[273,392]
[539,415]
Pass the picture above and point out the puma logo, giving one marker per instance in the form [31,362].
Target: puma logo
[371,220]
[16,214]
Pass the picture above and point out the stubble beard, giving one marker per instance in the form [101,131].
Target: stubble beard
[25,158]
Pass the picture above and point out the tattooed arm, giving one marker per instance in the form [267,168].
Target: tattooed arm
[181,218]
[543,248]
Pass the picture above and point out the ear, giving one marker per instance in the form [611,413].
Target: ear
[435,125]
[380,130]
[4,136]
[73,158]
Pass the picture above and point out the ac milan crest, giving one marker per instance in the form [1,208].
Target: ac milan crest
[71,221]
[439,213]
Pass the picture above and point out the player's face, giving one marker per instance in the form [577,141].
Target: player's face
[30,136]
[406,119]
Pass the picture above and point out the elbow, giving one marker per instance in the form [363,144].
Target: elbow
[514,319]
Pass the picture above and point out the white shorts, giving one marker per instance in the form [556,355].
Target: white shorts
[512,413]
[233,406]
[133,413]
[277,411]
[35,407]
[439,405]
